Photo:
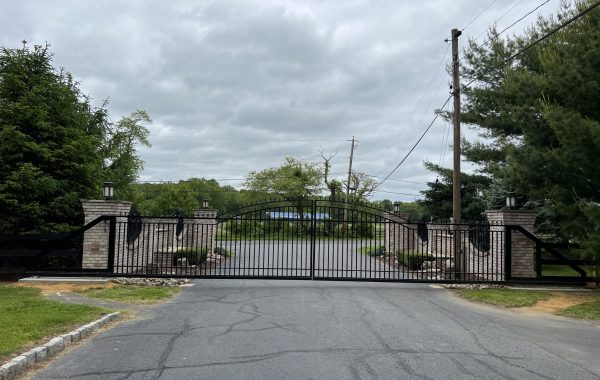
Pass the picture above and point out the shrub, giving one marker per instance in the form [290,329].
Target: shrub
[413,260]
[221,252]
[194,255]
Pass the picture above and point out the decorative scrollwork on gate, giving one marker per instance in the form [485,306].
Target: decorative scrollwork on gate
[479,236]
[134,226]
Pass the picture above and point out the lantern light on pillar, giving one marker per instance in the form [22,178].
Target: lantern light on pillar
[204,202]
[396,207]
[108,190]
[511,201]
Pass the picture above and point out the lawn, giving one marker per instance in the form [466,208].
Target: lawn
[132,293]
[505,297]
[372,250]
[589,310]
[565,270]
[27,318]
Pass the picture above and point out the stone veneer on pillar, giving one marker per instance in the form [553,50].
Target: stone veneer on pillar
[203,228]
[95,241]
[522,248]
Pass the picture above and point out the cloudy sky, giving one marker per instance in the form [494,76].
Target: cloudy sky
[236,86]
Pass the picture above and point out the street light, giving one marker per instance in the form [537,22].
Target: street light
[511,201]
[108,190]
[396,207]
[204,202]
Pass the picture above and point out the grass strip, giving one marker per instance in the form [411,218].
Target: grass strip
[588,310]
[28,318]
[132,293]
[505,297]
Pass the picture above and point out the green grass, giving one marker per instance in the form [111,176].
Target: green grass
[27,318]
[588,310]
[132,293]
[565,270]
[372,250]
[505,297]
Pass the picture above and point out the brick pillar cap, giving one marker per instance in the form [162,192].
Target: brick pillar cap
[104,201]
[512,211]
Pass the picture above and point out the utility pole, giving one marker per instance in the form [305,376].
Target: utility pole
[458,254]
[345,225]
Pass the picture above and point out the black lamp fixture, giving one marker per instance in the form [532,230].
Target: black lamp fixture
[396,207]
[108,190]
[511,201]
[204,202]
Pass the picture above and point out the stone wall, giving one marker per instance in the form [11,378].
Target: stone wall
[488,264]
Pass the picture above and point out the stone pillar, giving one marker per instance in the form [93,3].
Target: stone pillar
[522,248]
[95,240]
[202,230]
[396,232]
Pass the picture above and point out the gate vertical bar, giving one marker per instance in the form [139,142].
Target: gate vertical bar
[112,240]
[508,253]
[313,237]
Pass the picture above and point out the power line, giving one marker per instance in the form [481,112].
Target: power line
[243,139]
[479,15]
[496,35]
[412,114]
[537,41]
[395,192]
[414,146]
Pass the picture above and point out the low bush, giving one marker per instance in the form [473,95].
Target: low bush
[194,255]
[373,250]
[413,260]
[221,252]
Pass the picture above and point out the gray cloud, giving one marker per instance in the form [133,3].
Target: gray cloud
[236,86]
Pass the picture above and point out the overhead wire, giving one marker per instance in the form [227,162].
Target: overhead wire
[534,43]
[519,52]
[496,35]
[479,15]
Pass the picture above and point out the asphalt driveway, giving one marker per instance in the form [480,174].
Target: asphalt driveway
[259,329]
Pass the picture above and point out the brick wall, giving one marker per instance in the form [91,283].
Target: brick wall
[95,241]
[522,248]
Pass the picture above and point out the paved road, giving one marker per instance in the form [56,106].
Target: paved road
[260,329]
[292,258]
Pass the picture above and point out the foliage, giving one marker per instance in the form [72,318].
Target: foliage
[54,145]
[26,317]
[49,139]
[132,293]
[193,255]
[372,250]
[505,297]
[184,196]
[437,200]
[293,180]
[413,260]
[541,119]
[121,161]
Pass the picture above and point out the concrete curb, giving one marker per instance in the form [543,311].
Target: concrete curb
[22,362]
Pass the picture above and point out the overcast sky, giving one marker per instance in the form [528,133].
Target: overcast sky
[236,86]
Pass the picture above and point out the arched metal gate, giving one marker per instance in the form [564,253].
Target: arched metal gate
[309,239]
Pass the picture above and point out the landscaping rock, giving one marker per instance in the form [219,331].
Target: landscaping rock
[16,366]
[30,355]
[40,353]
[85,331]
[55,345]
[151,281]
[75,336]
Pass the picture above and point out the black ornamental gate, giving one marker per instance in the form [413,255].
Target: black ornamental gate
[309,239]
